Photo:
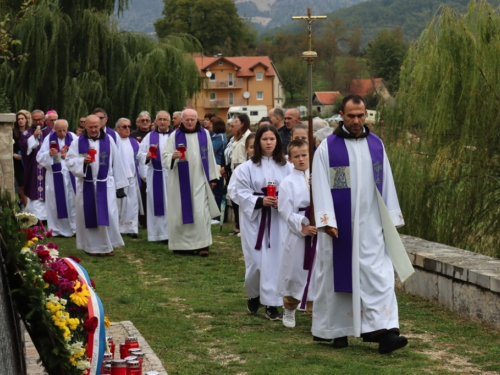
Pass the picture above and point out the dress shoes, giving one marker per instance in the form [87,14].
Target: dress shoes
[391,341]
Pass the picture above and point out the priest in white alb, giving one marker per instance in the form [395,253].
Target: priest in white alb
[353,273]
[192,174]
[100,178]
[130,205]
[59,182]
[155,172]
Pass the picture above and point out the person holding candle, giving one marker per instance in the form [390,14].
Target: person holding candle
[191,204]
[98,184]
[154,171]
[59,182]
[261,237]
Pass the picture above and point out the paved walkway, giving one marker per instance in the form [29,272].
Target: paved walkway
[119,331]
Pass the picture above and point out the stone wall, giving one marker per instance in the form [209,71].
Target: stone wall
[462,281]
[6,161]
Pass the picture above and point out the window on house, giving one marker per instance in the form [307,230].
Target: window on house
[231,98]
[230,80]
[212,77]
[259,76]
[260,95]
[213,96]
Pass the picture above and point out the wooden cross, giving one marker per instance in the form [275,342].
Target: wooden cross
[309,20]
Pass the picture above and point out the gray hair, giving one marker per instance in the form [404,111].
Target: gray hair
[322,134]
[120,120]
[177,113]
[189,109]
[319,123]
[38,111]
[157,113]
[143,113]
[60,121]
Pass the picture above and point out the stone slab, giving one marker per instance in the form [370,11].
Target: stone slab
[7,117]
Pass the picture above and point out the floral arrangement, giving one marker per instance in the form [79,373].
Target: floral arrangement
[53,296]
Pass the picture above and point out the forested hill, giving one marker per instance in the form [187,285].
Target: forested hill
[371,16]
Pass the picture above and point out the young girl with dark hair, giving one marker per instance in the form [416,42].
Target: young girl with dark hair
[261,224]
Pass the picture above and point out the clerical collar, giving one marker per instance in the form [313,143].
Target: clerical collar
[342,132]
[100,136]
[196,129]
[159,132]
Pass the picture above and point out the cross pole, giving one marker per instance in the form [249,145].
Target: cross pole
[309,56]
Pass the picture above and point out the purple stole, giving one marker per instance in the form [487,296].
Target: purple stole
[183,167]
[266,217]
[309,254]
[135,147]
[112,134]
[60,195]
[158,188]
[95,201]
[341,195]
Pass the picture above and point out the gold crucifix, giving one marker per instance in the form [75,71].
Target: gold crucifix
[309,20]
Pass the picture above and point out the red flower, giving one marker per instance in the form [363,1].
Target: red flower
[40,248]
[92,283]
[48,234]
[70,274]
[74,258]
[44,255]
[52,245]
[51,277]
[90,324]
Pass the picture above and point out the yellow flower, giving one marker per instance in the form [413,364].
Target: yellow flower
[81,294]
[34,239]
[107,323]
[29,244]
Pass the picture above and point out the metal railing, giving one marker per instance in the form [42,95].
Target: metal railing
[223,103]
[236,83]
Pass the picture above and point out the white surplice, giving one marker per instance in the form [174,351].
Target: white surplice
[372,306]
[36,207]
[131,205]
[60,227]
[197,235]
[103,238]
[262,266]
[294,195]
[157,225]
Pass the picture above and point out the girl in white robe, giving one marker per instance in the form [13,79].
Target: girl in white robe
[262,259]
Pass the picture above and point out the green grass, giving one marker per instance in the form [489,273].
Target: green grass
[192,311]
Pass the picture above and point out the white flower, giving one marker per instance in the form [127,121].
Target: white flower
[25,250]
[75,348]
[63,301]
[82,365]
[53,252]
[26,219]
[53,298]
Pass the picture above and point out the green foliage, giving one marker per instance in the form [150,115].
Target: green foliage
[4,102]
[215,23]
[79,60]
[385,55]
[444,141]
[293,72]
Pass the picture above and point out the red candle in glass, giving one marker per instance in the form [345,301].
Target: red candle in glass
[271,189]
[134,368]
[118,367]
[182,149]
[111,345]
[152,151]
[139,139]
[53,145]
[92,153]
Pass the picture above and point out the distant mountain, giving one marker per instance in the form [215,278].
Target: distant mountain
[264,14]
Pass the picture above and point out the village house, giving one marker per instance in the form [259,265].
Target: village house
[323,102]
[370,87]
[236,81]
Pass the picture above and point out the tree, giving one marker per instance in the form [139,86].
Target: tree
[329,50]
[79,60]
[293,72]
[211,22]
[385,55]
[442,132]
[354,41]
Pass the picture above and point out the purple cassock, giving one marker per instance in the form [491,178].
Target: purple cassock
[34,173]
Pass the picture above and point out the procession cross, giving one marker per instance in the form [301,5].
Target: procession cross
[309,56]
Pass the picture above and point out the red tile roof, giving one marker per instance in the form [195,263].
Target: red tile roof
[364,87]
[244,65]
[326,97]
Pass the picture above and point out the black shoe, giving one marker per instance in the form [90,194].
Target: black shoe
[253,305]
[391,341]
[132,235]
[203,252]
[321,339]
[164,242]
[340,342]
[272,313]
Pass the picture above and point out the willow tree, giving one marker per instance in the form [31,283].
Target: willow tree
[78,59]
[443,131]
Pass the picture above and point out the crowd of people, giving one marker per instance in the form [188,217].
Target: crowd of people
[170,175]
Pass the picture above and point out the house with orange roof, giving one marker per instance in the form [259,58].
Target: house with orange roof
[236,81]
[370,87]
[323,102]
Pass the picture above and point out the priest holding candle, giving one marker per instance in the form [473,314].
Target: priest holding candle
[192,174]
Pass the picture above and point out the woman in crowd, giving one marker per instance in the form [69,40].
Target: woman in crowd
[21,124]
[219,142]
[207,122]
[260,222]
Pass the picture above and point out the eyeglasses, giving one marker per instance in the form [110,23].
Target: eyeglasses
[126,126]
[102,117]
[163,119]
[83,122]
[144,120]
[37,119]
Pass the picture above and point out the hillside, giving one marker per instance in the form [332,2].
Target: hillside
[264,14]
[373,15]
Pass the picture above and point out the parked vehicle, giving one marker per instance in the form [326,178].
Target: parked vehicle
[254,112]
[334,119]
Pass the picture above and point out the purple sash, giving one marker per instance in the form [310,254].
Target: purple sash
[95,201]
[183,167]
[112,134]
[135,147]
[266,216]
[158,188]
[309,255]
[341,195]
[59,190]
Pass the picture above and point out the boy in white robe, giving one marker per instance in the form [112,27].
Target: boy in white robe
[296,264]
[369,309]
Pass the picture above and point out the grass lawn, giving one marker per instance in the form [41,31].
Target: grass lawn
[192,311]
